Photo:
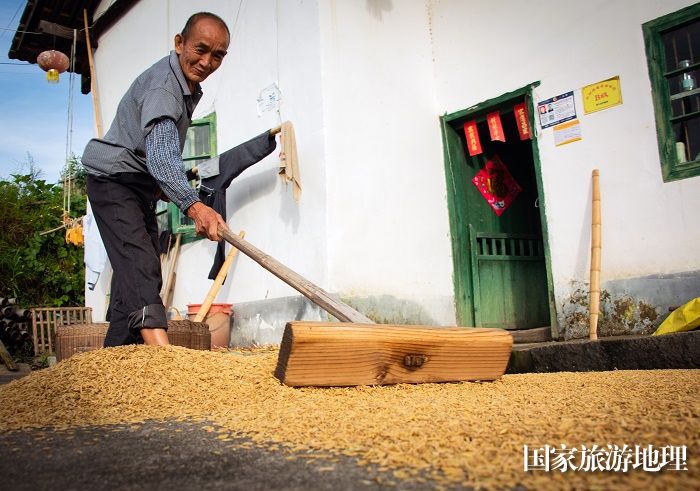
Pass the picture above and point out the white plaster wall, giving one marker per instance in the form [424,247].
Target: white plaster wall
[387,209]
[365,83]
[272,41]
[484,49]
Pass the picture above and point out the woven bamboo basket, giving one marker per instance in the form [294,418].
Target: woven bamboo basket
[45,320]
[80,338]
[193,335]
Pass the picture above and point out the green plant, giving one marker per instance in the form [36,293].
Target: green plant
[41,361]
[40,269]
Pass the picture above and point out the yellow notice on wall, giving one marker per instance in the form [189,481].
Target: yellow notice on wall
[601,95]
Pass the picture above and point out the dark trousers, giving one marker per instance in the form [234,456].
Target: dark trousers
[124,210]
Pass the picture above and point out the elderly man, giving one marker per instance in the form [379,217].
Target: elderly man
[138,160]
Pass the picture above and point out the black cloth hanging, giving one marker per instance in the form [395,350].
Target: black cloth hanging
[164,241]
[212,190]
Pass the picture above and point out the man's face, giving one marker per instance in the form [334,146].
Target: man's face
[202,52]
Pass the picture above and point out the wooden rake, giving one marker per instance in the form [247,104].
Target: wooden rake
[357,351]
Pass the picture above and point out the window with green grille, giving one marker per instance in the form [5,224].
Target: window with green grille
[673,55]
[200,145]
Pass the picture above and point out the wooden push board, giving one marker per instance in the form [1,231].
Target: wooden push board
[343,354]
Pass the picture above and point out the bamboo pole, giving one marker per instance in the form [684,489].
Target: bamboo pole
[93,79]
[167,293]
[170,293]
[218,281]
[166,267]
[596,245]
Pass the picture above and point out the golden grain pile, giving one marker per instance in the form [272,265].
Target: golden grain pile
[467,433]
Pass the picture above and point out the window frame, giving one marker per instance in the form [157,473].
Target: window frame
[175,216]
[671,169]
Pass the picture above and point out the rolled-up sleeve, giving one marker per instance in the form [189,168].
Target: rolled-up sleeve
[164,163]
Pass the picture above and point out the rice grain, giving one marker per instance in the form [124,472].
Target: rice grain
[457,433]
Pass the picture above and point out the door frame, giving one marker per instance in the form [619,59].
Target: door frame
[459,214]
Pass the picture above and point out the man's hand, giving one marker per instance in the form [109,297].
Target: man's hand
[206,220]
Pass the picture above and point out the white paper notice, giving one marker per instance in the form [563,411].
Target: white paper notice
[567,132]
[269,99]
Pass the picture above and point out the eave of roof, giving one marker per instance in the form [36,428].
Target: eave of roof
[49,24]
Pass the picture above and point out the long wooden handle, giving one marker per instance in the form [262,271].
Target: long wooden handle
[594,302]
[93,79]
[314,293]
[218,281]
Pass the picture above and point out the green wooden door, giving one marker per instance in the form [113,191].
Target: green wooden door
[500,263]
[509,278]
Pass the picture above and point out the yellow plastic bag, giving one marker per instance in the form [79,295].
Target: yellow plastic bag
[684,318]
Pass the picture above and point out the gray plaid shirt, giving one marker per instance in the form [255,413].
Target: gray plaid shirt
[158,94]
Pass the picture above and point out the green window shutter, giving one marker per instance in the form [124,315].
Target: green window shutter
[200,145]
[673,55]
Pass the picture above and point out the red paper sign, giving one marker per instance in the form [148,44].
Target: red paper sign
[495,126]
[522,121]
[472,135]
[496,185]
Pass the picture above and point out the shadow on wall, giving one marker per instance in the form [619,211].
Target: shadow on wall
[248,189]
[619,314]
[262,322]
[378,7]
[386,309]
[289,209]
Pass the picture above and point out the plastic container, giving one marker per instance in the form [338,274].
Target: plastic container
[219,320]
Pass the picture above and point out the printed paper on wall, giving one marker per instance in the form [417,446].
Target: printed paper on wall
[601,95]
[557,110]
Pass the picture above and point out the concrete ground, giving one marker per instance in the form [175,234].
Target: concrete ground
[10,375]
[171,455]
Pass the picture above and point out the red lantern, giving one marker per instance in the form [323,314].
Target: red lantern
[53,62]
